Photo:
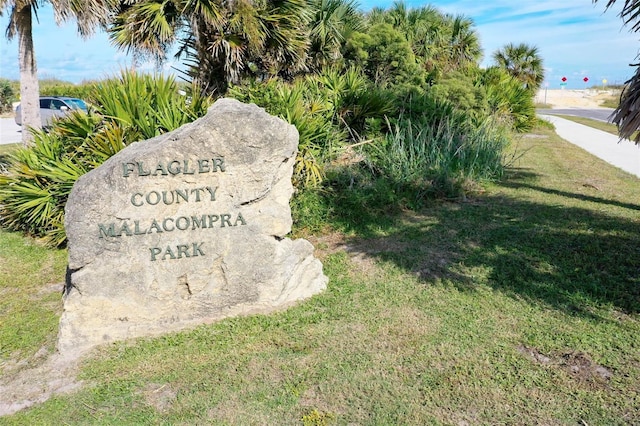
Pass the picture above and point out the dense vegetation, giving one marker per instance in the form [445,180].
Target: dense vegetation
[391,105]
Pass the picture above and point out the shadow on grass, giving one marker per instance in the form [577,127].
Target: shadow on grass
[563,253]
[572,195]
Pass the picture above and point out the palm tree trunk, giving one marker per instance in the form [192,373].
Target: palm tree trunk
[29,88]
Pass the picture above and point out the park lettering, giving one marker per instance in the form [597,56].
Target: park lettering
[180,251]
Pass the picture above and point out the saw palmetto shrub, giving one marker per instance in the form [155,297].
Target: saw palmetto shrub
[331,110]
[37,180]
[509,98]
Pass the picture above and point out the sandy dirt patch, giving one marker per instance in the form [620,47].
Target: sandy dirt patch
[57,375]
[588,98]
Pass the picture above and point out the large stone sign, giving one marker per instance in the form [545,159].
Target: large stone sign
[184,229]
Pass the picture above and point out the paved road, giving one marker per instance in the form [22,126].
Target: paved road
[9,131]
[600,114]
[623,154]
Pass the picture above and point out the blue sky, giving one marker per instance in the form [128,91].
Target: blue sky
[575,38]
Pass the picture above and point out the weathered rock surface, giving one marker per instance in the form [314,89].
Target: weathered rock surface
[184,229]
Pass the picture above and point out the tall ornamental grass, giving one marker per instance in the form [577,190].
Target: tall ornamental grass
[442,158]
[432,151]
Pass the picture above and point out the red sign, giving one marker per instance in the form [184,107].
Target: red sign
[564,78]
[585,79]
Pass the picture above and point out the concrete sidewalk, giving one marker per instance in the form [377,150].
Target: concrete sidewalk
[624,154]
[10,132]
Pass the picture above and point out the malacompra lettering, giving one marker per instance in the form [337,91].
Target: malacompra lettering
[181,223]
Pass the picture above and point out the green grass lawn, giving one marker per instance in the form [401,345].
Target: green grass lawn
[31,279]
[518,306]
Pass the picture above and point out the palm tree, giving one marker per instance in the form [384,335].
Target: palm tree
[627,115]
[89,14]
[331,24]
[429,34]
[523,62]
[464,44]
[221,41]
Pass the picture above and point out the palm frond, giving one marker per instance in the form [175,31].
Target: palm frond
[627,115]
[630,12]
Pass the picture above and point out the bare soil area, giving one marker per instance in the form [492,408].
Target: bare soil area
[56,375]
[588,98]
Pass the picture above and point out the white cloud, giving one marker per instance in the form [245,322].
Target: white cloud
[574,37]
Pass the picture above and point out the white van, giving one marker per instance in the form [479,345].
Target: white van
[54,106]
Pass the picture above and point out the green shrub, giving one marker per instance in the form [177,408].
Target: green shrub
[461,91]
[55,87]
[509,98]
[386,56]
[7,95]
[357,104]
[35,187]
